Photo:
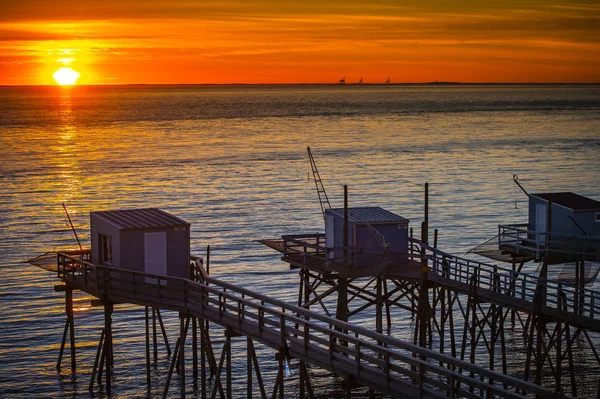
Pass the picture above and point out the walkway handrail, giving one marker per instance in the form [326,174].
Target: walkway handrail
[379,361]
[520,237]
[520,287]
[581,301]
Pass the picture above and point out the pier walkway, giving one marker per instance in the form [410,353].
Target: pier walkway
[522,291]
[367,358]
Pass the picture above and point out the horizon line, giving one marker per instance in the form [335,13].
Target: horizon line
[433,83]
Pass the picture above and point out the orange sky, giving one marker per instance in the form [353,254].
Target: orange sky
[185,41]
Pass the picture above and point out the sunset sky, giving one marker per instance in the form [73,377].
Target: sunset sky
[185,41]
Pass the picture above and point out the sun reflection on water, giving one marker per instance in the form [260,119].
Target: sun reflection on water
[69,156]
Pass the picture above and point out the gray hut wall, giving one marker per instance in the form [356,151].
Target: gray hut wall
[561,222]
[396,235]
[334,228]
[338,232]
[587,221]
[132,249]
[564,220]
[178,250]
[100,226]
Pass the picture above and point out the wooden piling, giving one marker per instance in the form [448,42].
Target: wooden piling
[195,352]
[154,336]
[62,344]
[97,361]
[147,330]
[228,334]
[108,346]
[182,333]
[69,304]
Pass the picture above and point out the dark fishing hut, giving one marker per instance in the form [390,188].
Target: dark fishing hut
[568,213]
[146,240]
[561,227]
[371,230]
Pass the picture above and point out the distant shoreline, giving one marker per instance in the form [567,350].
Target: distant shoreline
[316,84]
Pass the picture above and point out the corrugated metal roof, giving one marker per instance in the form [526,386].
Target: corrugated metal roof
[140,218]
[570,200]
[368,215]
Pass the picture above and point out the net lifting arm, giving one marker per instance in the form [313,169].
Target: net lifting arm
[323,200]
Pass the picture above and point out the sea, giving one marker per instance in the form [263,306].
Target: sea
[232,161]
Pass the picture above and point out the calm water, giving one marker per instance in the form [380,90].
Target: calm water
[232,162]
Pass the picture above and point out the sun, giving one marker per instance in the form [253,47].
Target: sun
[66,76]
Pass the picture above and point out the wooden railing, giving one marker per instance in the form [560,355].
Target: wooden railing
[571,246]
[391,366]
[312,247]
[491,281]
[498,284]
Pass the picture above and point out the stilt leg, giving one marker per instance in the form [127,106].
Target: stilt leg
[97,361]
[249,369]
[108,310]
[195,351]
[147,325]
[69,304]
[62,344]
[154,336]
[182,331]
[228,366]
[164,332]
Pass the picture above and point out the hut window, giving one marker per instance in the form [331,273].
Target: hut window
[105,249]
[597,216]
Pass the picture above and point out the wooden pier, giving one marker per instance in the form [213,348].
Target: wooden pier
[460,305]
[362,357]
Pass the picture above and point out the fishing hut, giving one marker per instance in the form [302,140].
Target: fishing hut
[561,227]
[371,231]
[145,240]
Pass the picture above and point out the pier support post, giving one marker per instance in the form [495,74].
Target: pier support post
[203,357]
[97,361]
[379,306]
[69,309]
[154,336]
[228,334]
[108,346]
[182,333]
[342,302]
[147,327]
[178,358]
[69,328]
[195,351]
[164,332]
[253,361]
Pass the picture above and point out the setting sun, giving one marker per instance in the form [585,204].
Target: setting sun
[66,76]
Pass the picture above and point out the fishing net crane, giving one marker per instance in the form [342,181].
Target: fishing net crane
[323,200]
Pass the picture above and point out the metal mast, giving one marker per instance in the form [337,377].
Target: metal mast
[323,200]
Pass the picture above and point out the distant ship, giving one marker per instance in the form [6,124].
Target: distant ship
[388,81]
[342,80]
[360,81]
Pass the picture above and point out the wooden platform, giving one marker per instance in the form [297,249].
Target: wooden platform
[394,367]
[361,266]
[502,286]
[409,270]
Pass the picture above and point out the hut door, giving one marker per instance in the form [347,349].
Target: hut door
[540,223]
[155,253]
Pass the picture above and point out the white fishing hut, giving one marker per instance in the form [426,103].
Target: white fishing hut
[146,240]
